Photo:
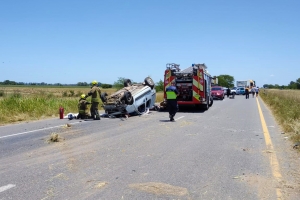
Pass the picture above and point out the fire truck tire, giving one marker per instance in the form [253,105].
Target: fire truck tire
[149,82]
[128,98]
[127,83]
[103,97]
[211,101]
[206,106]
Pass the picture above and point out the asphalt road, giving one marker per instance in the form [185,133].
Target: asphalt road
[235,150]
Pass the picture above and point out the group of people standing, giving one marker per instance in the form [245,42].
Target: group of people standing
[83,111]
[254,91]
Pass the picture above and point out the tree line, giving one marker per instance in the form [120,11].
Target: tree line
[228,81]
[223,80]
[117,84]
[8,82]
[291,85]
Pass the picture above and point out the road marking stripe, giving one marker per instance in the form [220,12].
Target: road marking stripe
[272,156]
[179,118]
[7,187]
[35,130]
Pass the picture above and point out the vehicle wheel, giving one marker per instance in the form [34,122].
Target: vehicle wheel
[211,101]
[103,97]
[127,83]
[128,98]
[149,82]
[205,106]
[234,93]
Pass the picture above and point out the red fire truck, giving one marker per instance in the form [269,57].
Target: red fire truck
[193,84]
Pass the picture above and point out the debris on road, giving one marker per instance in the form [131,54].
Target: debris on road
[296,145]
[54,137]
[160,188]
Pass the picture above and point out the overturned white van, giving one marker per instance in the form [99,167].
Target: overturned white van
[132,99]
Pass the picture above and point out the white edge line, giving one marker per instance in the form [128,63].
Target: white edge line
[6,187]
[179,118]
[34,130]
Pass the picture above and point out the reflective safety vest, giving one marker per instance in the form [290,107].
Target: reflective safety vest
[171,95]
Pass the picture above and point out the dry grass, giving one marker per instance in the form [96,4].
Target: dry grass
[159,96]
[285,105]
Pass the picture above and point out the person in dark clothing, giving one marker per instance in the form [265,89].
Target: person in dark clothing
[172,94]
[247,92]
[228,92]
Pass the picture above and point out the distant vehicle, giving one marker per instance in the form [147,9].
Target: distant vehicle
[217,92]
[132,99]
[244,84]
[233,90]
[240,90]
[241,84]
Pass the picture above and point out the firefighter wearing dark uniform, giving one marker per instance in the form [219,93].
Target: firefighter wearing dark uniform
[172,94]
[95,92]
[83,110]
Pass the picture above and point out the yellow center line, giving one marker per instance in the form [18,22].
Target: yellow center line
[272,156]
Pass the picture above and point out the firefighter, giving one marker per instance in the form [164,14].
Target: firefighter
[172,94]
[83,111]
[95,92]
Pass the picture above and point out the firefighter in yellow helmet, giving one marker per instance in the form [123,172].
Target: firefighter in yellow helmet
[95,92]
[83,110]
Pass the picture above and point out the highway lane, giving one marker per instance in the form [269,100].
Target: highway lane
[217,154]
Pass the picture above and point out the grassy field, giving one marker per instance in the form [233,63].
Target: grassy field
[35,102]
[285,105]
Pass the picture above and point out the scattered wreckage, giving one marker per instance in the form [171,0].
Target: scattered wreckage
[133,99]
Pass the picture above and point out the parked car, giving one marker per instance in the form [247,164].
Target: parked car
[240,90]
[233,90]
[217,92]
[132,99]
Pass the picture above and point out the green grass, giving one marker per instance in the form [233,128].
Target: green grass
[285,105]
[25,108]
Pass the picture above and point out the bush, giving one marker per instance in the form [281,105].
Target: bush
[106,85]
[2,94]
[65,94]
[72,93]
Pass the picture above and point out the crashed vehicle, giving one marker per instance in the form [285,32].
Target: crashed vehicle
[133,99]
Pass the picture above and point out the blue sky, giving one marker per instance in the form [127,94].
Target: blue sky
[70,41]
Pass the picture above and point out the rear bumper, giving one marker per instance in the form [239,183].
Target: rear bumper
[109,109]
[217,96]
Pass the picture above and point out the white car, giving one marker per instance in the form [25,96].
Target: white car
[132,99]
[233,90]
